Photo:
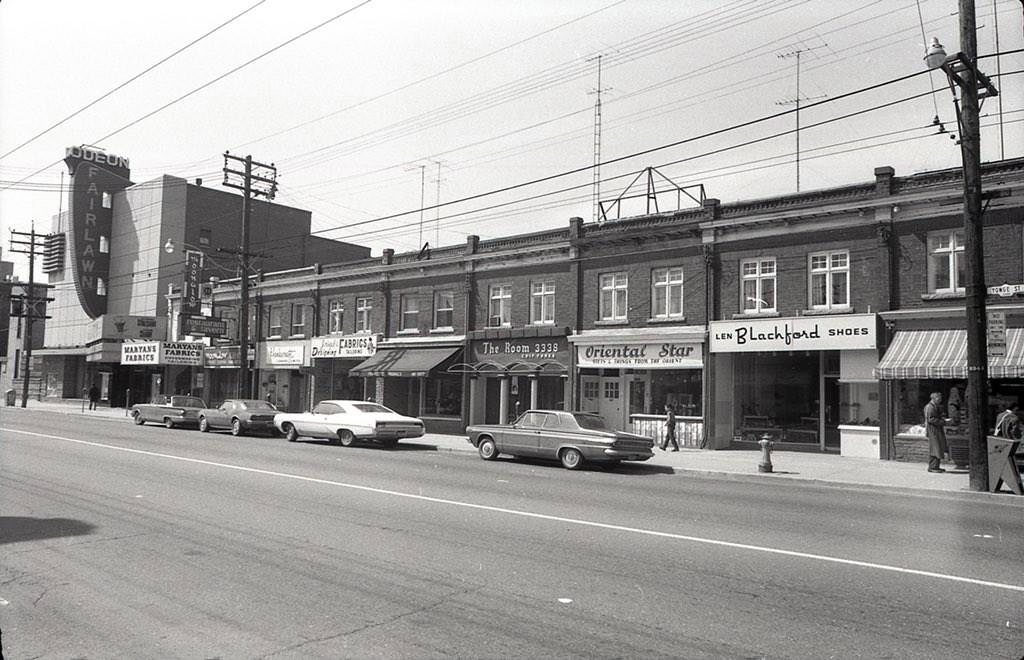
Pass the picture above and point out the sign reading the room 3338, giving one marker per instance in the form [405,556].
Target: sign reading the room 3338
[95,177]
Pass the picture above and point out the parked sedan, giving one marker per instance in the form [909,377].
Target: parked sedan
[573,438]
[240,416]
[171,411]
[346,422]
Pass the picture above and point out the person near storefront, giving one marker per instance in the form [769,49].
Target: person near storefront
[935,428]
[670,428]
[1008,424]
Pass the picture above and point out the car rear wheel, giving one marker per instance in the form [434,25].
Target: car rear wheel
[168,423]
[137,418]
[204,426]
[571,458]
[236,427]
[345,437]
[487,449]
[290,433]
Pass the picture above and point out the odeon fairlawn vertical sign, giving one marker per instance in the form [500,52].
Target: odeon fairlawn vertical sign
[95,177]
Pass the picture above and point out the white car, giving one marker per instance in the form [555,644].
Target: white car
[346,422]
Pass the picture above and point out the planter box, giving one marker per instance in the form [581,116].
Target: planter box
[859,441]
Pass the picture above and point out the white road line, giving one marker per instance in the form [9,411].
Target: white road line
[542,516]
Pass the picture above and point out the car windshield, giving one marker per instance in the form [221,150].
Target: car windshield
[371,408]
[187,402]
[257,405]
[591,422]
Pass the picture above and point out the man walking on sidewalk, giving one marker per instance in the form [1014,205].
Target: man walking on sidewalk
[94,397]
[935,427]
[670,428]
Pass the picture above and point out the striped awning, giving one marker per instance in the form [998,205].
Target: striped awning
[942,354]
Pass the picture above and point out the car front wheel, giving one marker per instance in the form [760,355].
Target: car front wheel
[346,438]
[487,449]
[571,458]
[137,418]
[204,426]
[290,433]
[168,423]
[236,427]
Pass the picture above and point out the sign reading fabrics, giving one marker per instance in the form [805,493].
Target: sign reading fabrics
[642,355]
[350,346]
[801,333]
[182,353]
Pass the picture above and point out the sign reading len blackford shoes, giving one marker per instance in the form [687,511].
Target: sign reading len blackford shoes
[95,177]
[798,333]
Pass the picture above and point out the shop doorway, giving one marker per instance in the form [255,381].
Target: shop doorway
[603,395]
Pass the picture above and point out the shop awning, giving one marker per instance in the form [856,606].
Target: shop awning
[943,354]
[403,362]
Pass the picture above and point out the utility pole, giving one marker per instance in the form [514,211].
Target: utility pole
[796,101]
[977,353]
[256,179]
[28,243]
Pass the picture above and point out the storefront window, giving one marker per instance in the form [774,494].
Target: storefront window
[858,403]
[542,304]
[758,277]
[914,395]
[410,317]
[500,308]
[667,293]
[945,261]
[335,317]
[830,280]
[363,308]
[444,306]
[682,388]
[444,395]
[614,289]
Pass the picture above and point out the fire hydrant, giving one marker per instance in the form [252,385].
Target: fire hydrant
[766,453]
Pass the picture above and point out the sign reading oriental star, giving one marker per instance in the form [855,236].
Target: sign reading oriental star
[95,177]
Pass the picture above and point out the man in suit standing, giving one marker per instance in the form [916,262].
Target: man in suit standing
[935,426]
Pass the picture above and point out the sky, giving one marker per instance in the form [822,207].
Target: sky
[402,122]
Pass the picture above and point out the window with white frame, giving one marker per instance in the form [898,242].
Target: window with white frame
[335,317]
[542,302]
[758,285]
[614,289]
[667,293]
[298,327]
[409,318]
[444,307]
[274,320]
[829,279]
[363,308]
[499,311]
[946,262]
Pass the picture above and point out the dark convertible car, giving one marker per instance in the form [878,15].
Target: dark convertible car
[573,438]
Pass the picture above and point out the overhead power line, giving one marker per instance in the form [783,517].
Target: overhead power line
[130,80]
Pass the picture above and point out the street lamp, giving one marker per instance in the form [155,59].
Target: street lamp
[962,73]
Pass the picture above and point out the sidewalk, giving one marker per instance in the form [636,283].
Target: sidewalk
[824,469]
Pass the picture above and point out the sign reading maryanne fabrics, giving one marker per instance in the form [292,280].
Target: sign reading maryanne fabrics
[182,353]
[95,177]
[801,333]
[641,355]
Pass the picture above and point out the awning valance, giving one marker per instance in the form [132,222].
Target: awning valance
[403,362]
[550,368]
[943,354]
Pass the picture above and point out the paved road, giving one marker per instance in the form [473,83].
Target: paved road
[122,541]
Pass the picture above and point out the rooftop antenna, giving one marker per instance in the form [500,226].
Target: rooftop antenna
[597,138]
[796,53]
